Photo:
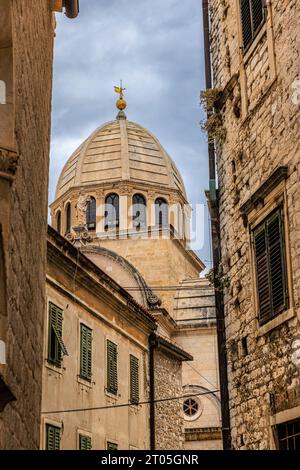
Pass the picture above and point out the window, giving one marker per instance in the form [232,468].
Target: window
[134,380]
[253,17]
[111,211]
[161,212]
[289,435]
[56,347]
[85,352]
[52,437]
[112,368]
[85,442]
[269,246]
[68,218]
[139,214]
[190,407]
[112,446]
[91,214]
[58,222]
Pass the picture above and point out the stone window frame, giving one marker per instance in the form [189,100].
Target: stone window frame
[112,397]
[82,432]
[280,418]
[49,365]
[52,422]
[277,197]
[139,356]
[266,29]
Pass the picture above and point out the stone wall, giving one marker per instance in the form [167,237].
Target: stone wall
[32,33]
[260,114]
[168,414]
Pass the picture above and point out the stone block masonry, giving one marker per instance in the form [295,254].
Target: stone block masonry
[262,136]
[32,37]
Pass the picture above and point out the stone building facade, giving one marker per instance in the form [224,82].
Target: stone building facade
[124,191]
[255,60]
[26,43]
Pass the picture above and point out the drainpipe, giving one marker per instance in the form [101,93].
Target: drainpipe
[216,249]
[152,346]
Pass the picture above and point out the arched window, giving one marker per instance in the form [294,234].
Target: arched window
[68,218]
[139,215]
[58,222]
[91,214]
[111,211]
[161,212]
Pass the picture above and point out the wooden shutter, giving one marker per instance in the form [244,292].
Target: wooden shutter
[134,380]
[277,262]
[55,345]
[52,437]
[252,16]
[85,442]
[270,266]
[85,352]
[112,367]
[112,446]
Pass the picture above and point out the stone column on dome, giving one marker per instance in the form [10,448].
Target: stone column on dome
[125,205]
[151,208]
[100,210]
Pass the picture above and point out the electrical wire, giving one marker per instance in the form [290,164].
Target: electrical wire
[123,405]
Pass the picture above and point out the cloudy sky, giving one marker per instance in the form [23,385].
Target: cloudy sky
[156,47]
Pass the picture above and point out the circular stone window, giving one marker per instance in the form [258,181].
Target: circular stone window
[191,409]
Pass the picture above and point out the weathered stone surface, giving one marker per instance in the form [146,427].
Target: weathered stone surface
[26,255]
[263,138]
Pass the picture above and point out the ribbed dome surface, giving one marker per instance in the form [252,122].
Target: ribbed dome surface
[117,151]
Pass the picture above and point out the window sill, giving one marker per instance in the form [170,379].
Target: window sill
[54,368]
[277,321]
[87,383]
[112,396]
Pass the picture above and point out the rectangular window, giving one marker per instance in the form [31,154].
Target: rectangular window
[134,380]
[52,437]
[85,352]
[112,368]
[56,347]
[288,435]
[253,17]
[112,446]
[271,279]
[85,442]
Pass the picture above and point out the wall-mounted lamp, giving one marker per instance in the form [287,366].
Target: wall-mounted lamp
[71,7]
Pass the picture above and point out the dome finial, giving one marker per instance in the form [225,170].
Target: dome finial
[121,103]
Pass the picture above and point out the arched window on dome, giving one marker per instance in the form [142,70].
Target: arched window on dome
[58,221]
[68,218]
[161,212]
[139,214]
[111,211]
[91,214]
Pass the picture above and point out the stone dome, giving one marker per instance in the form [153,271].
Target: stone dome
[120,151]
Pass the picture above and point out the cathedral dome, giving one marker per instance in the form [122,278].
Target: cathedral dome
[120,151]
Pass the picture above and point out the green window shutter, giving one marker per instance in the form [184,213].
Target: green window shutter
[52,437]
[270,267]
[277,262]
[85,352]
[85,442]
[56,347]
[134,380]
[112,368]
[112,446]
[252,17]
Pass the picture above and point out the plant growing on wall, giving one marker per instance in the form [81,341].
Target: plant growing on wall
[210,100]
[218,278]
